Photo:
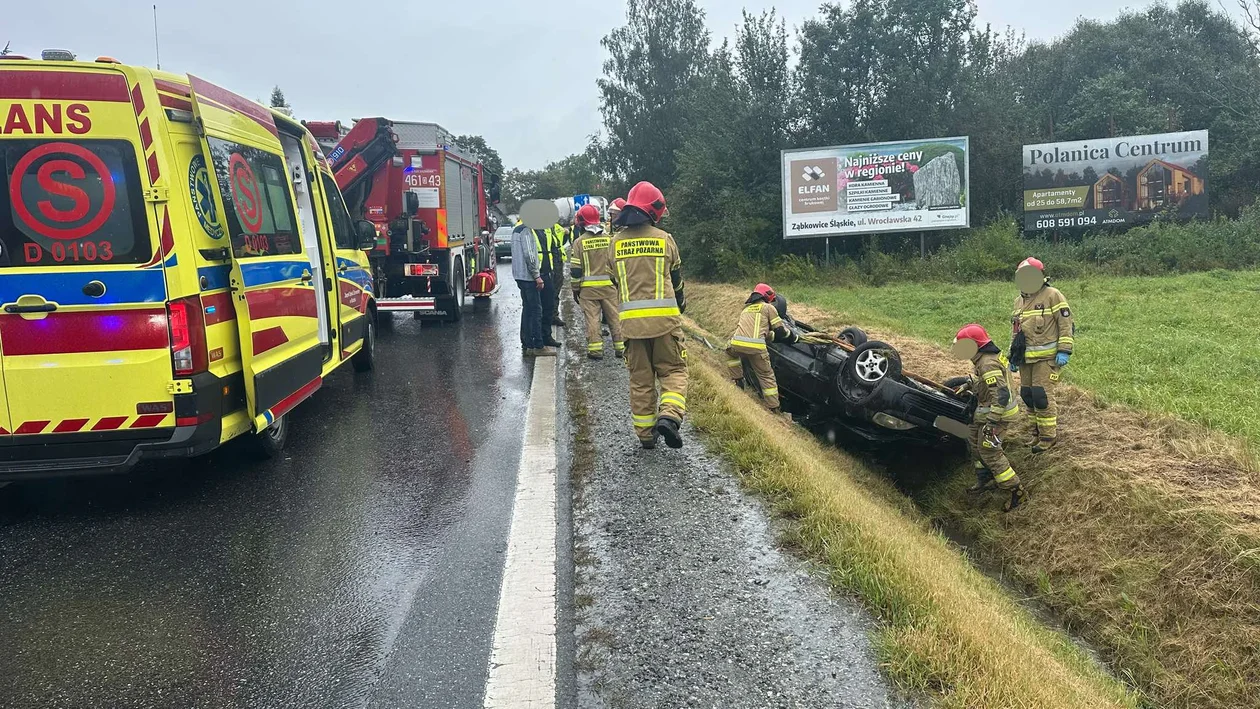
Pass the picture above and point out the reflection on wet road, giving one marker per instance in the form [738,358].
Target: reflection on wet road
[360,569]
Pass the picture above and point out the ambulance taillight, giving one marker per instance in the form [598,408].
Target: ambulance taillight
[187,327]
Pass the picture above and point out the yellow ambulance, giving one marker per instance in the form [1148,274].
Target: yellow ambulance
[177,268]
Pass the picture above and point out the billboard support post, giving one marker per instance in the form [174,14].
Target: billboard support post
[828,251]
[922,246]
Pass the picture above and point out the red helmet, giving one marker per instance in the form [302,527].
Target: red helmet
[974,332]
[1030,261]
[648,199]
[764,291]
[617,205]
[586,216]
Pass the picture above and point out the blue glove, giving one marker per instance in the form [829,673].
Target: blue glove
[1014,367]
[1061,359]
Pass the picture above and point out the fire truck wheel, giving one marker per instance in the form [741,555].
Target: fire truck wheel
[270,442]
[365,359]
[458,288]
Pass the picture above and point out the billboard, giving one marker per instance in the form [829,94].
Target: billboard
[1115,182]
[911,185]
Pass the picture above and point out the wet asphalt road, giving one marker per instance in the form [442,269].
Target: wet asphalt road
[360,570]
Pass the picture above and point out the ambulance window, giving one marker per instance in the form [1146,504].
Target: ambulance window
[71,203]
[343,231]
[259,207]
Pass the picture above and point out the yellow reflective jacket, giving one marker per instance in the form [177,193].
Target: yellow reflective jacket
[995,397]
[591,267]
[648,273]
[757,325]
[1046,321]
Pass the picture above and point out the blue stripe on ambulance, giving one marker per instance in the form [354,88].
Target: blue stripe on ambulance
[216,276]
[355,273]
[66,287]
[260,274]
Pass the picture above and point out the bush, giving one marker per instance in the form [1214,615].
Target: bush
[991,252]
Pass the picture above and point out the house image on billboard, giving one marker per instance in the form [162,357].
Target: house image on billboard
[1160,184]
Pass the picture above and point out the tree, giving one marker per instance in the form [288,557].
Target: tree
[488,155]
[279,103]
[655,64]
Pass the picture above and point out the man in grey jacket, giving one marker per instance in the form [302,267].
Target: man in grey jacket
[526,272]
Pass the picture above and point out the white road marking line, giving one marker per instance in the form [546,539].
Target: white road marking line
[523,661]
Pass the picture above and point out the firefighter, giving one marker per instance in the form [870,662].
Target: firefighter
[1042,343]
[759,322]
[613,210]
[647,271]
[550,262]
[995,409]
[591,272]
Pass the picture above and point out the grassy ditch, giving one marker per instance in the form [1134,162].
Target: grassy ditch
[1143,529]
[1174,345]
[950,633]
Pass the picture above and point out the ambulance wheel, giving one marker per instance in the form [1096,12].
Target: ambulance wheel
[365,359]
[270,441]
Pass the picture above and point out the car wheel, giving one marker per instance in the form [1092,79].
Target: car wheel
[854,336]
[866,367]
[365,359]
[269,442]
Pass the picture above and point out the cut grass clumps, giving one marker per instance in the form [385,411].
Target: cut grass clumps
[949,632]
[1143,530]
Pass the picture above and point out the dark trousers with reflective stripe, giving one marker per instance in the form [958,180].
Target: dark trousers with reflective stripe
[547,313]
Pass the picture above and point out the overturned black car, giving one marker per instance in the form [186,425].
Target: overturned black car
[849,386]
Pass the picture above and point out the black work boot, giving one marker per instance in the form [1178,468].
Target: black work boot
[984,481]
[1018,497]
[592,354]
[648,443]
[668,429]
[1045,444]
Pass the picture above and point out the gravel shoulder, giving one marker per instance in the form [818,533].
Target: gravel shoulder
[682,596]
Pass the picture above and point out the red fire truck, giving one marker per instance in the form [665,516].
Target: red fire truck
[429,200]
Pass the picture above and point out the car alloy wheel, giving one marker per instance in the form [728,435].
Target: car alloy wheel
[871,366]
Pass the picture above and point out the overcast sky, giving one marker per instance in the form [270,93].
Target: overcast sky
[521,73]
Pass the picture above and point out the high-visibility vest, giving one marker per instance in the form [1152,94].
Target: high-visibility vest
[545,261]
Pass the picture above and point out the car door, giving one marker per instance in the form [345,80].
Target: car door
[273,284]
[354,276]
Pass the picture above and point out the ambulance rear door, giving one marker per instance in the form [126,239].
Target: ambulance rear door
[272,281]
[84,342]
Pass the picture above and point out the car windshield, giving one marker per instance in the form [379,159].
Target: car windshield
[503,233]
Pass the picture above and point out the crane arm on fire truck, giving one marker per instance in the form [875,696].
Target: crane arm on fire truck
[369,145]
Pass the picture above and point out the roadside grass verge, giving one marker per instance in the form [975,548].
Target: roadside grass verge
[949,632]
[1143,532]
